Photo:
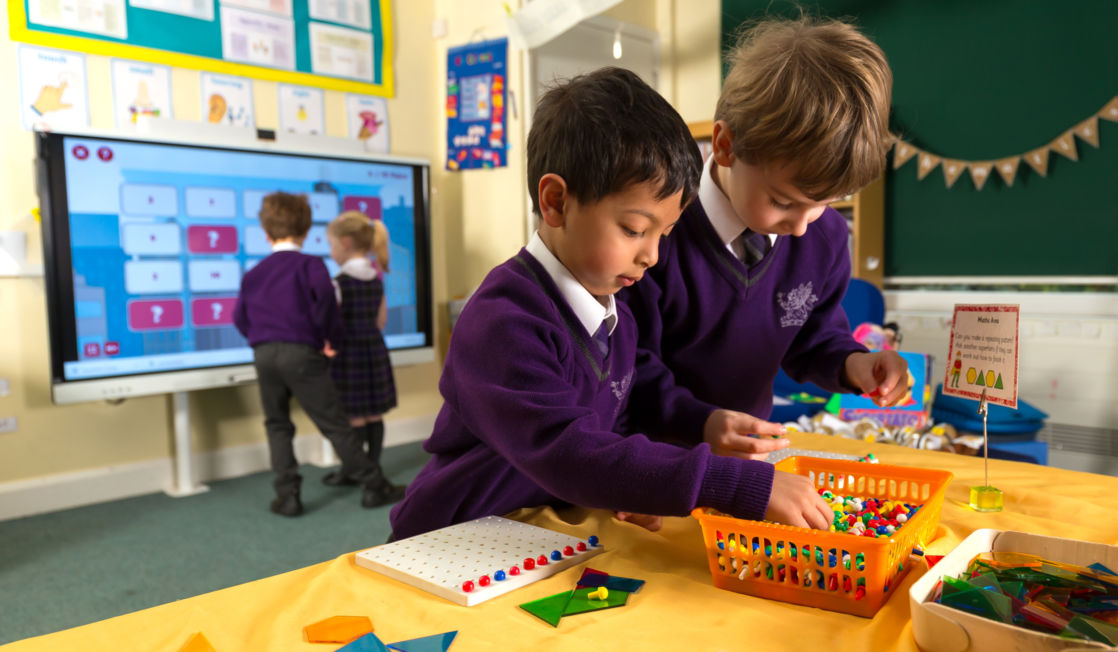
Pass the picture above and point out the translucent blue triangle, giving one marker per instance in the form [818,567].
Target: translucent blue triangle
[436,643]
[367,643]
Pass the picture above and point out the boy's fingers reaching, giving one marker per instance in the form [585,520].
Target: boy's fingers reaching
[763,428]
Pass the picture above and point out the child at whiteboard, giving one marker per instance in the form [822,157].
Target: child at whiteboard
[541,358]
[289,313]
[361,369]
[753,278]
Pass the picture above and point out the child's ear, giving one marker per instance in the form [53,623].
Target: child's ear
[722,144]
[553,199]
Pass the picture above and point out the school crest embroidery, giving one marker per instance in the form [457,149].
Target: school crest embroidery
[620,389]
[797,304]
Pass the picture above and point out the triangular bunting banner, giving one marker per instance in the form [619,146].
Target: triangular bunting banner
[1065,145]
[902,153]
[980,172]
[1088,131]
[928,162]
[1007,168]
[1110,111]
[952,169]
[1038,160]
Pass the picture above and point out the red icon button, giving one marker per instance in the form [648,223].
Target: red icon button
[81,152]
[112,348]
[92,350]
[105,154]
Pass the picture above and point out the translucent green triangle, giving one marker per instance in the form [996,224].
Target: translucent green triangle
[549,609]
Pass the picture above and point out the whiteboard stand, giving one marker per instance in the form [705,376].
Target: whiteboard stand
[183,483]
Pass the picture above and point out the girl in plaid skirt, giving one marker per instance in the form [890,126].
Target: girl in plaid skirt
[361,368]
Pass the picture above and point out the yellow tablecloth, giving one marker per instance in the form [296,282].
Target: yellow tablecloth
[677,609]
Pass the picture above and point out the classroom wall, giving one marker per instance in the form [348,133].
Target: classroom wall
[96,436]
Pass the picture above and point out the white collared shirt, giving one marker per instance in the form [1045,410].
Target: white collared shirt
[360,268]
[286,246]
[721,213]
[590,310]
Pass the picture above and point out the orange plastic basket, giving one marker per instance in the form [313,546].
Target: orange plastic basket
[806,566]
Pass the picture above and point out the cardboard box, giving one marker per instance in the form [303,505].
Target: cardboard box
[940,628]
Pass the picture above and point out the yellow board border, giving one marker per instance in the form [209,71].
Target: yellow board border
[18,30]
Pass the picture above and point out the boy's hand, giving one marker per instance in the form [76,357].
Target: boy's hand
[647,521]
[729,434]
[882,375]
[796,502]
[328,350]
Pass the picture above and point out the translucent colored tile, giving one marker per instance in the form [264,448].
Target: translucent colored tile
[338,629]
[626,584]
[1102,569]
[1096,630]
[995,606]
[436,643]
[549,609]
[197,643]
[581,603]
[367,643]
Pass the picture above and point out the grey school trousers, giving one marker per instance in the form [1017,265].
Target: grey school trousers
[285,370]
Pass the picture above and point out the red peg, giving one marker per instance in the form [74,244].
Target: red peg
[467,586]
[581,547]
[515,570]
[542,560]
[484,581]
[568,551]
[529,563]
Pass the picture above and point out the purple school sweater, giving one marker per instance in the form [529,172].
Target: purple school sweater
[288,297]
[723,329]
[530,404]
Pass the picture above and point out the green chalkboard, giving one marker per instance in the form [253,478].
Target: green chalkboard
[987,80]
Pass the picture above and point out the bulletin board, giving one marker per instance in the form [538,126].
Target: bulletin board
[475,105]
[183,41]
[984,80]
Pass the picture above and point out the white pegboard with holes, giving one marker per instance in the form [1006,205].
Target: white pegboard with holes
[441,562]
[776,456]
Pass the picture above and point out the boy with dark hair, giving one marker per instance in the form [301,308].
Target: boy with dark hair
[541,360]
[753,278]
[288,312]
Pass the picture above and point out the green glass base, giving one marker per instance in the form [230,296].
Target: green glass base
[986,499]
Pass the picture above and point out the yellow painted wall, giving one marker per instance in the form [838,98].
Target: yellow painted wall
[479,220]
[57,439]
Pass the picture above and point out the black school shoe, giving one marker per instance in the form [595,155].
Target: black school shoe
[380,492]
[288,505]
[336,479]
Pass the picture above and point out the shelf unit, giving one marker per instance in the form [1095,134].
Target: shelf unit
[864,212]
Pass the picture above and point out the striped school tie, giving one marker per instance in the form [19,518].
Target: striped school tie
[754,246]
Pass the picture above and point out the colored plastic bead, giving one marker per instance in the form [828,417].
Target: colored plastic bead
[515,570]
[529,564]
[556,555]
[484,581]
[500,575]
[568,551]
[467,586]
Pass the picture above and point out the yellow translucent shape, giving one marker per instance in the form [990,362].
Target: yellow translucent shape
[197,643]
[986,499]
[338,629]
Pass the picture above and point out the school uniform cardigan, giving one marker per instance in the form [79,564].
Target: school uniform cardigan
[530,404]
[288,297]
[723,330]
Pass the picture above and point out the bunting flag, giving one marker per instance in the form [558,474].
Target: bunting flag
[1007,168]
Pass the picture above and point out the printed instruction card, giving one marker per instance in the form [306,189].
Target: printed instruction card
[983,353]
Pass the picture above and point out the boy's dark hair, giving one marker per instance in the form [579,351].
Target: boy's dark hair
[606,130]
[284,215]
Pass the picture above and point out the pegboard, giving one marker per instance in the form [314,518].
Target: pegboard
[440,562]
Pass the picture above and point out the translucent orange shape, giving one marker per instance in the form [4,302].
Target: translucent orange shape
[338,629]
[197,643]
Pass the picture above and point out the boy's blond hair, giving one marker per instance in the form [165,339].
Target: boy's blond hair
[812,94]
[284,215]
[367,235]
